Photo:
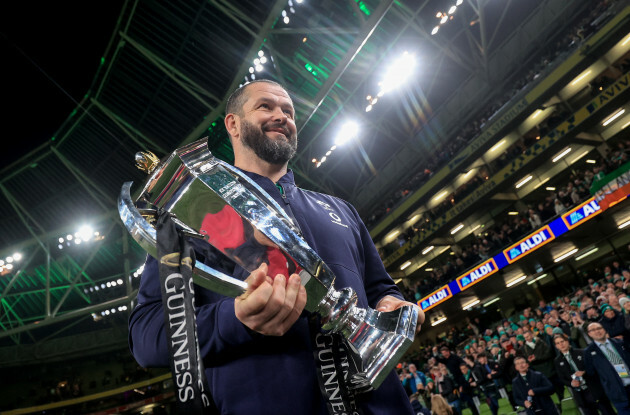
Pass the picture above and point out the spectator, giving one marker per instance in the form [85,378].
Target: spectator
[609,360]
[586,391]
[439,406]
[532,389]
[485,372]
[445,386]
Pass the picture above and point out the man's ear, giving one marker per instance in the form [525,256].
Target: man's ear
[232,124]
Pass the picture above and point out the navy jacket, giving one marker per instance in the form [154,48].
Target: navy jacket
[542,387]
[597,364]
[249,373]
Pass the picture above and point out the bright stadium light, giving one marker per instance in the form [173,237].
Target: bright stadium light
[515,281]
[349,131]
[564,153]
[398,72]
[86,233]
[565,255]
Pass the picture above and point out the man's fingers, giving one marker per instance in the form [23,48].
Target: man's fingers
[291,294]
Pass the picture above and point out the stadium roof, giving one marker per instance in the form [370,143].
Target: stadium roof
[163,81]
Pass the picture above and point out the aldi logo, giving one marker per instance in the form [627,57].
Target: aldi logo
[477,274]
[529,244]
[435,298]
[581,213]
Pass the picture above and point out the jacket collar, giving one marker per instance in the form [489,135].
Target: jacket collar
[287,179]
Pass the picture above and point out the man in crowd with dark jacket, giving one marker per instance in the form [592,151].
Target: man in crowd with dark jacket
[532,389]
[540,357]
[609,360]
[486,373]
[586,390]
[453,363]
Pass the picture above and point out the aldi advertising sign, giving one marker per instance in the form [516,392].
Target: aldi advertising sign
[477,274]
[529,244]
[582,213]
[436,298]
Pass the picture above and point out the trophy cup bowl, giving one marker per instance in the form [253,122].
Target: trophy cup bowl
[201,191]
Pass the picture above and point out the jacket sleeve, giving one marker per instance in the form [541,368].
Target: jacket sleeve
[217,325]
[377,281]
[588,363]
[543,353]
[544,386]
[562,374]
[518,392]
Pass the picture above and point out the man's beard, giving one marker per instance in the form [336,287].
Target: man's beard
[273,151]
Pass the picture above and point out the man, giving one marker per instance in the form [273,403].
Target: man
[532,389]
[540,357]
[609,360]
[586,390]
[486,372]
[259,348]
[453,363]
[417,380]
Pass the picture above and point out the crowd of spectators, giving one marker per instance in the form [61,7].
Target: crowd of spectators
[483,362]
[587,24]
[490,241]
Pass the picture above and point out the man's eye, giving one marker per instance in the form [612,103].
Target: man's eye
[264,106]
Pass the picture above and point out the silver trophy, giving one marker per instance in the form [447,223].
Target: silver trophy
[205,196]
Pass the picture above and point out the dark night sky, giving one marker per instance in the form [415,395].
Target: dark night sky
[46,43]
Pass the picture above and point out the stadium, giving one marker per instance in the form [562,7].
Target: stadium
[483,143]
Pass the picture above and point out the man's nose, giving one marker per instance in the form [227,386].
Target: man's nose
[280,115]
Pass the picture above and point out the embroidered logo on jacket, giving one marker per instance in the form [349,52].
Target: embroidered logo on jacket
[334,218]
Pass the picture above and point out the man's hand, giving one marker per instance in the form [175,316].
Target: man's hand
[527,404]
[391,303]
[575,383]
[270,307]
[530,392]
[531,358]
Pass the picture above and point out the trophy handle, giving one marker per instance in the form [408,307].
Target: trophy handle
[145,235]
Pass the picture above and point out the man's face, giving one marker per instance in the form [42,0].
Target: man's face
[412,368]
[267,125]
[482,359]
[445,353]
[521,365]
[597,332]
[528,336]
[561,344]
[609,313]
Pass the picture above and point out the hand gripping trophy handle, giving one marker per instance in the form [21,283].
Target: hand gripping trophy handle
[204,193]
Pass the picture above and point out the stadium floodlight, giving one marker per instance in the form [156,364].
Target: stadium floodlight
[349,131]
[452,9]
[497,145]
[405,265]
[459,2]
[86,233]
[565,255]
[579,78]
[471,305]
[435,30]
[491,302]
[613,117]
[564,153]
[427,249]
[457,229]
[515,281]
[524,181]
[623,225]
[584,255]
[398,72]
[438,321]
